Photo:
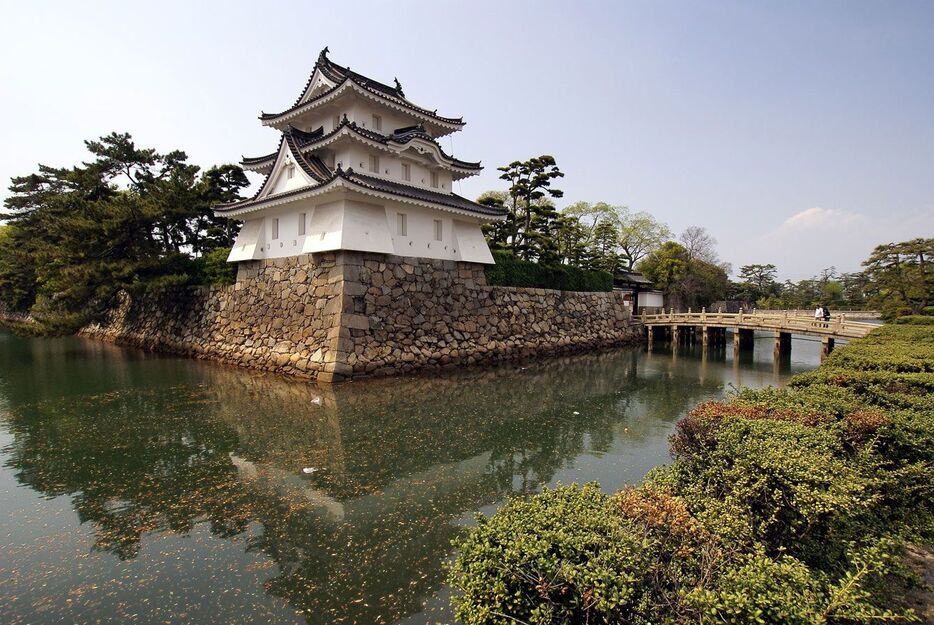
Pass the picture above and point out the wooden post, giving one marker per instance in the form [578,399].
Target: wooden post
[650,330]
[782,344]
[826,344]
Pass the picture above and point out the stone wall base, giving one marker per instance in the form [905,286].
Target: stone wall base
[336,316]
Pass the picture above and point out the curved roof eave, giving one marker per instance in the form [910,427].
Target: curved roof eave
[450,123]
[343,179]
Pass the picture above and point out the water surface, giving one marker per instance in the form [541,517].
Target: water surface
[137,488]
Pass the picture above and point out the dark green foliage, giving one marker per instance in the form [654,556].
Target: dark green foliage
[213,268]
[799,500]
[130,219]
[530,230]
[927,319]
[511,271]
[17,273]
[902,275]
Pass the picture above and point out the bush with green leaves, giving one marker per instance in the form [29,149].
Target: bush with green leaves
[782,506]
[779,484]
[212,268]
[576,555]
[763,590]
[512,271]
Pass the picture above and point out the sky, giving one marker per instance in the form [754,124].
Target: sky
[798,133]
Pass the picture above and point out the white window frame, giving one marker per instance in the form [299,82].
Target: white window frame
[439,230]
[377,122]
[374,163]
[402,224]
[406,172]
[301,224]
[275,228]
[434,179]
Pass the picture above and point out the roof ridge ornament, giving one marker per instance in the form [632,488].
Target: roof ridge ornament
[398,86]
[323,55]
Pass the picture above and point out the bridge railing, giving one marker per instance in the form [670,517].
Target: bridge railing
[784,321]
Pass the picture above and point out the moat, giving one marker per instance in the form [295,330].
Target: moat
[137,488]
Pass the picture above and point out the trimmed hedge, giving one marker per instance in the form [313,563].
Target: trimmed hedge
[783,506]
[511,271]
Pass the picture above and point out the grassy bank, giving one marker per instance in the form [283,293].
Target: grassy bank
[788,505]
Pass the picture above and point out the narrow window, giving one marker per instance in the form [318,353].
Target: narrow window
[374,163]
[406,171]
[275,228]
[301,224]
[434,179]
[402,222]
[439,230]
[290,170]
[337,120]
[377,122]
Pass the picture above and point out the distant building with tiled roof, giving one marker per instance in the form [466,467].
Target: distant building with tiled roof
[358,167]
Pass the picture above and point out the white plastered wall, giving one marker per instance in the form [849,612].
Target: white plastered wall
[348,225]
[248,243]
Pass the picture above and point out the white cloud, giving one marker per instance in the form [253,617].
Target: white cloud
[818,218]
[815,238]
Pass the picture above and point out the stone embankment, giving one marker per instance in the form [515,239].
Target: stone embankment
[341,315]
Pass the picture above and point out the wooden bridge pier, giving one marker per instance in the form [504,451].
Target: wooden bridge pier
[710,329]
[782,344]
[743,339]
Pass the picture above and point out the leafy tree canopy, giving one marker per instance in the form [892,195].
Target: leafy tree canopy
[128,218]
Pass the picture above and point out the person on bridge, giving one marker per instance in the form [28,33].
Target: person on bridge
[826,315]
[819,313]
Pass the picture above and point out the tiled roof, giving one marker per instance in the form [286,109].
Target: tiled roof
[311,165]
[256,161]
[424,195]
[340,74]
[400,136]
[378,185]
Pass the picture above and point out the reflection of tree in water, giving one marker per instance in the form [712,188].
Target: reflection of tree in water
[397,462]
[127,472]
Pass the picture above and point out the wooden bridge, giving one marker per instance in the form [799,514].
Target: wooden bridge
[711,328]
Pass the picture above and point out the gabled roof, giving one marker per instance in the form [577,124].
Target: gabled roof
[307,141]
[258,163]
[370,185]
[633,278]
[344,77]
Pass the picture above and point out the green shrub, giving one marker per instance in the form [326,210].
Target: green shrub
[927,319]
[511,271]
[575,555]
[760,590]
[783,505]
[562,556]
[782,484]
[212,268]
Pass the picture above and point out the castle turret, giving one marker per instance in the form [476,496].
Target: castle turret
[358,167]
